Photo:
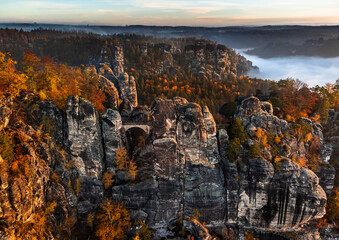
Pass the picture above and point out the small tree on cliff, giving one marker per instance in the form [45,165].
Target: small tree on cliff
[121,159]
[238,137]
[124,163]
[238,131]
[112,221]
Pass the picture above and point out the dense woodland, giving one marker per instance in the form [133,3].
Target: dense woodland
[51,65]
[43,49]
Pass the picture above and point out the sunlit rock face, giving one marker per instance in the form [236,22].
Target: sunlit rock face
[111,92]
[84,144]
[255,114]
[5,112]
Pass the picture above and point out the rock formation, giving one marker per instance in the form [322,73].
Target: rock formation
[118,79]
[182,166]
[211,61]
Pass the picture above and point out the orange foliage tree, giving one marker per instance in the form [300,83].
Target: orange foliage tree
[112,221]
[11,82]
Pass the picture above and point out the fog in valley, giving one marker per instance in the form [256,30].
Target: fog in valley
[311,70]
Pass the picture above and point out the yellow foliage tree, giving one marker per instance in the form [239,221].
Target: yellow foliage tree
[121,159]
[112,221]
[261,136]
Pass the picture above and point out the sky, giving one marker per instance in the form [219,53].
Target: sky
[172,12]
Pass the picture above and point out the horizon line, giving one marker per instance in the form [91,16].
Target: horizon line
[175,26]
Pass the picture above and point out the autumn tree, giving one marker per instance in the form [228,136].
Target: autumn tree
[112,221]
[37,228]
[107,179]
[132,169]
[333,206]
[144,232]
[121,159]
[11,81]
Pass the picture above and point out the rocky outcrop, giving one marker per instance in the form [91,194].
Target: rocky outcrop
[84,137]
[182,166]
[211,61]
[112,57]
[189,161]
[118,63]
[25,166]
[114,80]
[255,114]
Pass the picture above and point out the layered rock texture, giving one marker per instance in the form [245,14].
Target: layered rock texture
[182,166]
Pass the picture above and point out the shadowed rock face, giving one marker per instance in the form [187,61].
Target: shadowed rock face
[112,132]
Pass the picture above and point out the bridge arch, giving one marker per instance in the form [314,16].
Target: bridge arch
[146,128]
[137,136]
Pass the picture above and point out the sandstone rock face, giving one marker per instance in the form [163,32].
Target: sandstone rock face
[49,114]
[331,151]
[113,76]
[84,143]
[104,69]
[280,199]
[112,136]
[84,137]
[184,154]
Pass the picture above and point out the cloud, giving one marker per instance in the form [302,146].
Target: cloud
[49,5]
[257,20]
[191,7]
[108,11]
[201,10]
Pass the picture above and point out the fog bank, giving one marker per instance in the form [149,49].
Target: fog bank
[311,70]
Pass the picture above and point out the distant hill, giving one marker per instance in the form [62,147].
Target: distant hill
[321,48]
[235,37]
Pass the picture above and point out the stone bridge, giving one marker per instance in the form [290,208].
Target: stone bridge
[144,126]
